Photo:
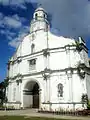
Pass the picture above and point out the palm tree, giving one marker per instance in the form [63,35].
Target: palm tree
[78,46]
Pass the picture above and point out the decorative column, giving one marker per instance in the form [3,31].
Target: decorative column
[67,48]
[40,93]
[70,79]
[46,76]
[46,72]
[9,95]
[19,90]
[46,57]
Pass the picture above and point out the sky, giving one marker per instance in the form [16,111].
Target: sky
[69,18]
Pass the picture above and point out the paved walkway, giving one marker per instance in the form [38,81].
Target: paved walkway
[34,113]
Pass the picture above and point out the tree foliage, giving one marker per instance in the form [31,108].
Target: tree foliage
[3,86]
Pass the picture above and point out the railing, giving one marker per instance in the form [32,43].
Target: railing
[84,112]
[68,111]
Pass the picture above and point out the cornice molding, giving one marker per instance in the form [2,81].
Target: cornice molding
[42,51]
[48,51]
[69,70]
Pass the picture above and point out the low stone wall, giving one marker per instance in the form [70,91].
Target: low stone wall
[62,106]
[13,105]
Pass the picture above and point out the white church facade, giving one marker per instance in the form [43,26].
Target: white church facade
[47,72]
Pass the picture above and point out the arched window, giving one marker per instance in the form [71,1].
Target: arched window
[36,16]
[32,48]
[44,15]
[60,90]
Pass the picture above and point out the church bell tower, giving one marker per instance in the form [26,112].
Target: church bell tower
[39,21]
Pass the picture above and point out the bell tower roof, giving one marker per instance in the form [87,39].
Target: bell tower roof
[40,14]
[40,9]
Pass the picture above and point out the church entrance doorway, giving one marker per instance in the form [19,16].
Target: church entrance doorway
[35,92]
[31,95]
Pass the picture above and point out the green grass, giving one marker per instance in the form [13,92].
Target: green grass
[25,118]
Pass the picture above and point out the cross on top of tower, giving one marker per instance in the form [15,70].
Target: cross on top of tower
[40,8]
[39,5]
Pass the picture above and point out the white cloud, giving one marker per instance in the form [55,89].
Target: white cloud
[1,16]
[18,18]
[11,22]
[16,41]
[2,32]
[5,2]
[22,33]
[14,21]
[19,3]
[15,3]
[32,1]
[8,34]
[9,37]
[1,19]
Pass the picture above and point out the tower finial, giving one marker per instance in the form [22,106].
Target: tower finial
[39,5]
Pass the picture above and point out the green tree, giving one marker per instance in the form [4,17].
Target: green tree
[86,100]
[3,86]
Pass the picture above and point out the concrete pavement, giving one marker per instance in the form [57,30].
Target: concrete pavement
[34,113]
